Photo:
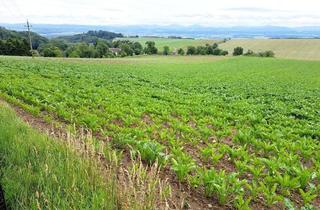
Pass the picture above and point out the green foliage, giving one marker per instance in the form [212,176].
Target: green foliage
[181,51]
[289,205]
[269,193]
[182,164]
[308,196]
[191,50]
[242,203]
[166,50]
[137,48]
[237,51]
[267,54]
[37,40]
[14,46]
[265,126]
[206,50]
[37,172]
[150,49]
[222,185]
[90,37]
[211,154]
[51,51]
[151,151]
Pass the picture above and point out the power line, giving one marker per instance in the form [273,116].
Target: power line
[29,34]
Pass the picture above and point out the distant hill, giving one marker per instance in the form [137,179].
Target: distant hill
[90,37]
[193,31]
[37,40]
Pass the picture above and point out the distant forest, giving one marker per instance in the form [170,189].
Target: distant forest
[93,44]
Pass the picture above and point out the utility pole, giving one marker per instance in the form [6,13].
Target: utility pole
[29,34]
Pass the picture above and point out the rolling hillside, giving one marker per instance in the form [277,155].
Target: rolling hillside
[304,49]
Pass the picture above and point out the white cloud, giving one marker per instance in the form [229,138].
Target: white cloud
[185,12]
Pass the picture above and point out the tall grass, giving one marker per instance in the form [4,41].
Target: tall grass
[38,172]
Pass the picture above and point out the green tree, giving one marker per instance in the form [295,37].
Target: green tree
[181,51]
[201,50]
[238,51]
[58,43]
[151,49]
[191,50]
[215,45]
[137,48]
[86,51]
[51,51]
[209,49]
[101,49]
[224,52]
[217,51]
[166,50]
[126,48]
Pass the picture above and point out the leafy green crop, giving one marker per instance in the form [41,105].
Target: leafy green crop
[241,129]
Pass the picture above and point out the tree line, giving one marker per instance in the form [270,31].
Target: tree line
[240,51]
[98,49]
[101,44]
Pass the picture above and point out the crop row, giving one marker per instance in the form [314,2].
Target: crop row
[244,131]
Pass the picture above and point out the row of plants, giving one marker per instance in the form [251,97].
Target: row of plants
[230,128]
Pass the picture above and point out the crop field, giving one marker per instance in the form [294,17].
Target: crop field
[303,49]
[244,132]
[173,43]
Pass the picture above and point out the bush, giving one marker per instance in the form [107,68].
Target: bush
[267,54]
[151,48]
[224,52]
[201,50]
[181,51]
[166,50]
[191,50]
[215,45]
[51,51]
[137,48]
[249,53]
[237,51]
[217,51]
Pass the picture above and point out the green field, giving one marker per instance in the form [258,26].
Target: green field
[303,49]
[173,43]
[242,131]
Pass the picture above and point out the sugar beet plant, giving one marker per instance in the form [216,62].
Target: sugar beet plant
[242,130]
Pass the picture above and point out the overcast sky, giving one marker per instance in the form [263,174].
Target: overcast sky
[163,12]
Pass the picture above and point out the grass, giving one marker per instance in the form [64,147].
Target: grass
[249,126]
[40,173]
[302,49]
[173,43]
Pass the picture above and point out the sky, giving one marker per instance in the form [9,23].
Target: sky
[163,12]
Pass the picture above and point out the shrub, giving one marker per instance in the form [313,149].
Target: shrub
[181,51]
[249,53]
[52,51]
[166,50]
[191,50]
[267,54]
[151,48]
[237,51]
[201,50]
[224,53]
